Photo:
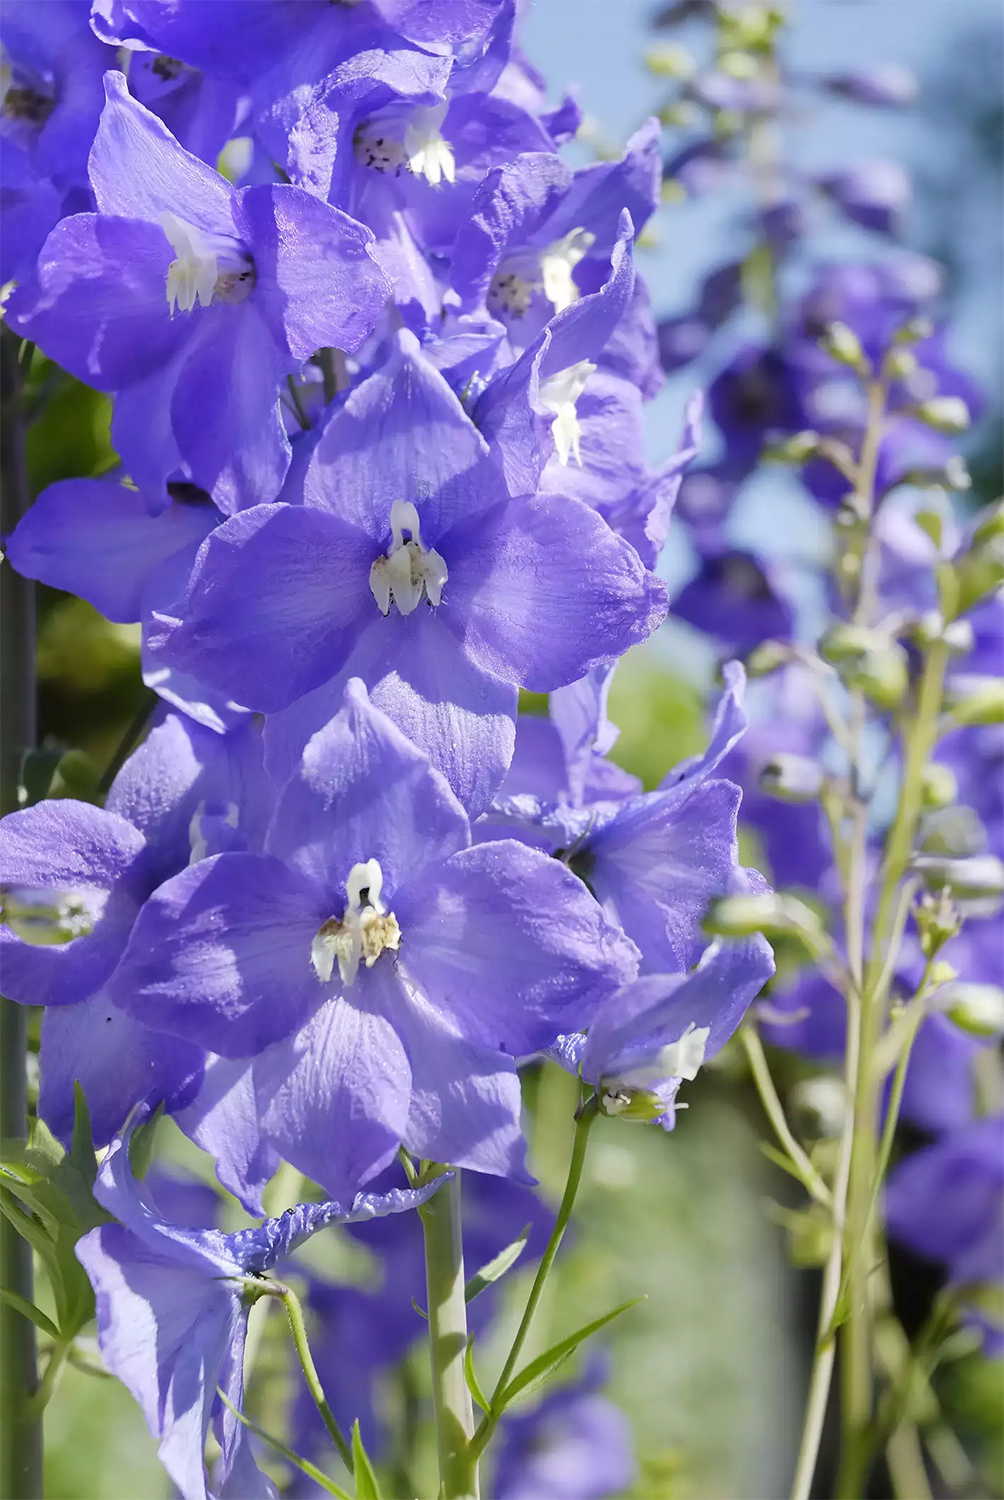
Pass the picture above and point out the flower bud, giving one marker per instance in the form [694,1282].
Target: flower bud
[770,914]
[669,62]
[948,414]
[939,785]
[797,449]
[914,331]
[792,778]
[954,831]
[46,918]
[883,676]
[842,344]
[767,658]
[976,700]
[980,569]
[975,1008]
[902,363]
[821,1103]
[989,525]
[978,876]
[845,642]
[636,1106]
[937,922]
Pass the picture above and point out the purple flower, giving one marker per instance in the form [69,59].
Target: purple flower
[74,879]
[192,301]
[890,84]
[576,1445]
[873,193]
[410,566]
[350,944]
[737,598]
[946,1202]
[172,1308]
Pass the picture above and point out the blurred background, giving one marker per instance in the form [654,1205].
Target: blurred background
[711,1370]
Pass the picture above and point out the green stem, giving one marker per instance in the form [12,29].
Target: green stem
[55,1365]
[444,1279]
[587,1115]
[20,1429]
[774,1111]
[294,1313]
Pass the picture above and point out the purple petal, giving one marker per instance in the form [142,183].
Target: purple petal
[364,792]
[510,945]
[401,425]
[225,408]
[96,538]
[334,1097]
[220,955]
[97,303]
[317,281]
[465,1099]
[728,729]
[138,170]
[118,1061]
[658,862]
[545,591]
[271,642]
[223,1119]
[70,847]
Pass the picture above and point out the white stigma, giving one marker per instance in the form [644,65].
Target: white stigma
[191,278]
[365,930]
[409,569]
[558,262]
[204,824]
[558,394]
[429,155]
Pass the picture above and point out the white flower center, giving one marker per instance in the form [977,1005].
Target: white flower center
[365,930]
[680,1059]
[429,155]
[558,262]
[206,267]
[49,918]
[558,394]
[409,569]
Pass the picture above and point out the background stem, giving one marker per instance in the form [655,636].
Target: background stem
[20,1432]
[444,1278]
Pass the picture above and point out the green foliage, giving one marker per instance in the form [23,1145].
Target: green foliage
[545,1365]
[366,1480]
[47,1194]
[70,437]
[497,1267]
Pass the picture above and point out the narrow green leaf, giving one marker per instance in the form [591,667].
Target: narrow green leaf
[303,1464]
[472,1379]
[81,1156]
[496,1268]
[366,1481]
[420,1310]
[782,1160]
[141,1144]
[545,1364]
[29,1310]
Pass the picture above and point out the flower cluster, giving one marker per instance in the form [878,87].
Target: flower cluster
[378,358]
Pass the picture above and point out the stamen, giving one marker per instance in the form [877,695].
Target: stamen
[429,155]
[409,569]
[558,262]
[208,268]
[558,394]
[365,929]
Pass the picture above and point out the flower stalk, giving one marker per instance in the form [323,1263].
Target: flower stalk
[445,1282]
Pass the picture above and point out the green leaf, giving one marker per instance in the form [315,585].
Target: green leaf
[471,1377]
[303,1464]
[82,1157]
[545,1364]
[29,1310]
[496,1268]
[420,1310]
[142,1142]
[366,1481]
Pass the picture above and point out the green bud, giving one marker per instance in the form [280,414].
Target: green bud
[636,1106]
[973,878]
[792,778]
[883,676]
[821,1105]
[738,65]
[846,642]
[944,413]
[975,1008]
[939,785]
[980,570]
[842,344]
[810,1235]
[943,972]
[989,525]
[915,331]
[937,922]
[767,658]
[902,363]
[681,114]
[768,913]
[954,831]
[976,700]
[797,449]
[669,62]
